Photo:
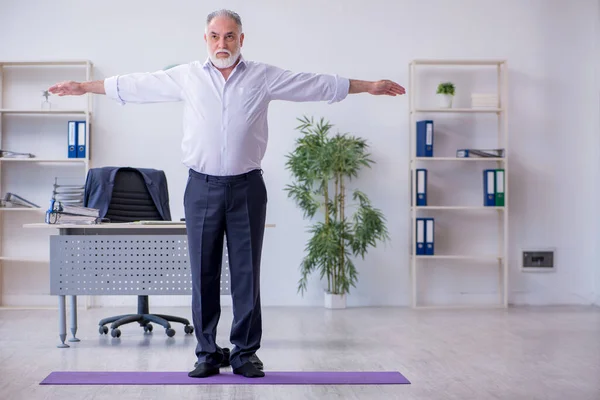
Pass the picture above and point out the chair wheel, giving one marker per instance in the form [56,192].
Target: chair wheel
[148,328]
[188,329]
[170,332]
[103,329]
[115,333]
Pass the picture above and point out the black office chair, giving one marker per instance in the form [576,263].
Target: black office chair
[130,202]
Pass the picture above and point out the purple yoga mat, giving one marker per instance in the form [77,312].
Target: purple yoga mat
[224,378]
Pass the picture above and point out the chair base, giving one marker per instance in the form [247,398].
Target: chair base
[143,317]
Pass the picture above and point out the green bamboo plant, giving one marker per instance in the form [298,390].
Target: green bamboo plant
[321,166]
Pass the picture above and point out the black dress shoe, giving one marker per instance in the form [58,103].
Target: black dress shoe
[225,362]
[226,353]
[256,361]
[249,370]
[203,370]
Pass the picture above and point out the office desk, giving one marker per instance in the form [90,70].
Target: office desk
[119,259]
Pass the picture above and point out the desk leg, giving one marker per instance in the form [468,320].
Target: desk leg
[62,321]
[73,318]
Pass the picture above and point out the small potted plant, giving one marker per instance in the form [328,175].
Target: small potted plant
[445,92]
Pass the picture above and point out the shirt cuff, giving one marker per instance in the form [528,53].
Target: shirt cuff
[342,87]
[111,87]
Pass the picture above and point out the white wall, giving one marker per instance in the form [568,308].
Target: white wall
[553,117]
[597,52]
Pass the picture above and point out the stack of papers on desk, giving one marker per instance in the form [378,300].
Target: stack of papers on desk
[68,193]
[61,213]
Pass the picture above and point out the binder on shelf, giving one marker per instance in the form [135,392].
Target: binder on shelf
[72,139]
[425,138]
[480,153]
[421,187]
[15,154]
[420,237]
[14,200]
[489,187]
[429,236]
[500,187]
[81,145]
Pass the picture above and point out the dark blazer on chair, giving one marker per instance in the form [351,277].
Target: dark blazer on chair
[99,188]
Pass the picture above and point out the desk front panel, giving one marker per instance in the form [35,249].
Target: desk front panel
[124,264]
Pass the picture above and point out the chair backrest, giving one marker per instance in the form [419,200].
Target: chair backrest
[130,199]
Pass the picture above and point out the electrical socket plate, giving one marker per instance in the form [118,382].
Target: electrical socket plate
[538,260]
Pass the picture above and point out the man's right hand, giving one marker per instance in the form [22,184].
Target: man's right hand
[72,88]
[67,88]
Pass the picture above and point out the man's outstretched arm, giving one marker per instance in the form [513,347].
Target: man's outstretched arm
[287,85]
[383,87]
[141,87]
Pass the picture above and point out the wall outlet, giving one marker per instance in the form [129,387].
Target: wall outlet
[538,260]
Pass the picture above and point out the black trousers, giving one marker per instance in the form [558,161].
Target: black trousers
[235,207]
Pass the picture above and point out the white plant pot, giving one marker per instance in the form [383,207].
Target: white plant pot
[445,100]
[335,301]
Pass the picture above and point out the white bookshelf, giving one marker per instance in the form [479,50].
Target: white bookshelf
[23,209]
[44,160]
[25,125]
[459,260]
[459,110]
[43,112]
[457,159]
[25,259]
[464,208]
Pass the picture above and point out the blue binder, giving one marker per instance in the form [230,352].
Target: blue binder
[489,187]
[72,139]
[425,138]
[421,187]
[420,237]
[81,137]
[429,236]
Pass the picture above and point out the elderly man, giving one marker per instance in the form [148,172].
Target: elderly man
[225,136]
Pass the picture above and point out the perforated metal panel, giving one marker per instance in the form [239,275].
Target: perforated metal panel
[123,265]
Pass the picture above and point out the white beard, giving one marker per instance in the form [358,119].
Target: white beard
[224,62]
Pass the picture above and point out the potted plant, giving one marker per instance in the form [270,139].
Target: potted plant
[445,92]
[321,166]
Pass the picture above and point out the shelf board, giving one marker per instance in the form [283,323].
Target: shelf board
[459,159]
[41,160]
[460,306]
[23,209]
[45,63]
[23,259]
[117,225]
[458,208]
[42,112]
[458,110]
[459,257]
[457,62]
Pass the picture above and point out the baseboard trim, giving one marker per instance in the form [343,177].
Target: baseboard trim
[29,301]
[154,301]
[47,301]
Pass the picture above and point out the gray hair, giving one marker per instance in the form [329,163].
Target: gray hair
[225,13]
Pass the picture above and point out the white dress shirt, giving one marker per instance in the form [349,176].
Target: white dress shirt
[225,122]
